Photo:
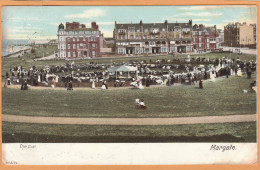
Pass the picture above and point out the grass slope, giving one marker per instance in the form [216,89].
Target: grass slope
[222,97]
[225,132]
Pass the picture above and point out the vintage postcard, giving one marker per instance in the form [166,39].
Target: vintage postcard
[129,84]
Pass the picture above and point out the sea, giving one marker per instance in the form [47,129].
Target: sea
[12,46]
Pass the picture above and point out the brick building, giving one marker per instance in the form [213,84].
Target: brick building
[237,34]
[205,39]
[152,38]
[77,41]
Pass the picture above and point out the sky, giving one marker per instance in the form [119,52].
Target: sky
[41,22]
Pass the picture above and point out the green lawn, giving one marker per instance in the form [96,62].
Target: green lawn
[222,97]
[225,132]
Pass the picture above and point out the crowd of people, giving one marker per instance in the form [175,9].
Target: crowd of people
[164,72]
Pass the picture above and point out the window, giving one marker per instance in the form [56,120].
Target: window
[207,45]
[131,29]
[68,46]
[84,46]
[164,50]
[145,30]
[131,37]
[137,50]
[120,50]
[93,45]
[188,49]
[199,45]
[199,39]
[74,46]
[199,32]
[78,39]
[152,43]
[74,54]
[68,39]
[73,39]
[77,45]
[78,53]
[93,39]
[121,37]
[125,36]
[172,49]
[68,54]
[93,53]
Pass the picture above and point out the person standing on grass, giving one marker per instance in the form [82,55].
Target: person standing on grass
[148,81]
[227,72]
[200,84]
[6,75]
[25,87]
[249,72]
[5,85]
[93,84]
[103,87]
[54,83]
[70,86]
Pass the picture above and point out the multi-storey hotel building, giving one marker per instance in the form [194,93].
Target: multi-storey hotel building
[153,38]
[77,41]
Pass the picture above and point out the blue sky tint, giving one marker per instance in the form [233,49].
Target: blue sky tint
[21,22]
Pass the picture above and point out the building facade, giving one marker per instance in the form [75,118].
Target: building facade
[254,32]
[77,41]
[205,39]
[239,34]
[152,38]
[220,37]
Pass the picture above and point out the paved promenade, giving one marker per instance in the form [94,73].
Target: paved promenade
[130,121]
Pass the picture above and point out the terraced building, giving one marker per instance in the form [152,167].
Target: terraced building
[152,38]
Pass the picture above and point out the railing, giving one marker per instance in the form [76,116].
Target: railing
[121,33]
[154,33]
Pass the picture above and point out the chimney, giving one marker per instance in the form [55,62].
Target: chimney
[68,25]
[115,22]
[141,22]
[94,25]
[190,22]
[165,22]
